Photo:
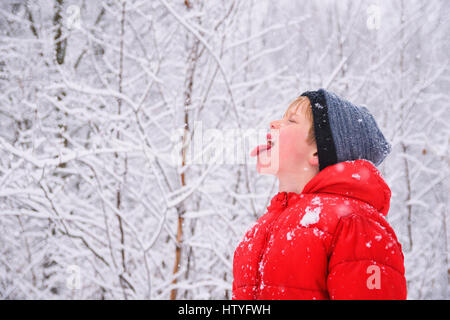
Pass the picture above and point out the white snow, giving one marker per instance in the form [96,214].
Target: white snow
[311,216]
[340,167]
[316,200]
[318,232]
[318,105]
[356,176]
[289,235]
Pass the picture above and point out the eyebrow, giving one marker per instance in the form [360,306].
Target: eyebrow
[290,114]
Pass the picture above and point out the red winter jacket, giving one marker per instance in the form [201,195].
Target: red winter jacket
[332,241]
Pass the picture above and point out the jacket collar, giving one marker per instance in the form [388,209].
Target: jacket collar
[281,200]
[357,179]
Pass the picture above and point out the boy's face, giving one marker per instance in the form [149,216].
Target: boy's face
[290,146]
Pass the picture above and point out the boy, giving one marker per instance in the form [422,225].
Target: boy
[324,235]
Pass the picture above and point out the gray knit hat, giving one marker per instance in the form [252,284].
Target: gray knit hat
[344,131]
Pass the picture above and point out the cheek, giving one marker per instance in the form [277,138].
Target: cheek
[291,141]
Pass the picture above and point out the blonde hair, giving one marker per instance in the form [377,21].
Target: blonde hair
[304,103]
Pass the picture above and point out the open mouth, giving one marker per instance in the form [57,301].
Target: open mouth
[263,147]
[270,142]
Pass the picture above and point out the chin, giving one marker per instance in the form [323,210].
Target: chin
[269,170]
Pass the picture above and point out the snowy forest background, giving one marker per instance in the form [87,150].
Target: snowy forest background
[94,97]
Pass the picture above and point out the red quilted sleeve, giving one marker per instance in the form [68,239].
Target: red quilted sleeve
[366,261]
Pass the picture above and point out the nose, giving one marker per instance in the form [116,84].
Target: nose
[276,124]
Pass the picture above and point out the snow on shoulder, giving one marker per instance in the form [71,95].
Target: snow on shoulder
[312,215]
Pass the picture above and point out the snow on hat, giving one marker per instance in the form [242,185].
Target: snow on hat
[344,131]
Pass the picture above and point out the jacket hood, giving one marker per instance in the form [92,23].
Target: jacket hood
[357,179]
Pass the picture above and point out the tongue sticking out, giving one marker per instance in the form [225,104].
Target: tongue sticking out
[259,149]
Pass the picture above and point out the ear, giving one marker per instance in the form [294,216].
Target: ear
[314,159]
